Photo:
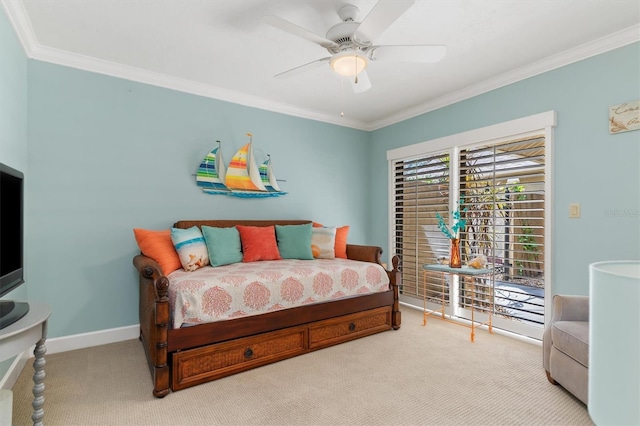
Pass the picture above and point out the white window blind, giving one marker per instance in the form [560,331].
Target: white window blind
[502,188]
[421,188]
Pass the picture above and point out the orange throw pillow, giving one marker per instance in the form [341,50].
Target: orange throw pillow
[258,243]
[158,246]
[341,240]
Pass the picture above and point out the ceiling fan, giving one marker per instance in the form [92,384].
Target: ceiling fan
[351,42]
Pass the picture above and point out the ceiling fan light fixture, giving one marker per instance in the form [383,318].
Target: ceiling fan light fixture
[348,63]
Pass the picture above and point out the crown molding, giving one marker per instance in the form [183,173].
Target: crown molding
[86,63]
[18,17]
[34,50]
[21,24]
[587,50]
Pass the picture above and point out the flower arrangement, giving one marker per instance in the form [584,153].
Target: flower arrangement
[459,224]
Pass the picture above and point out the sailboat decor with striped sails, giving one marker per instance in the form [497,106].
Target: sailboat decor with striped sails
[242,178]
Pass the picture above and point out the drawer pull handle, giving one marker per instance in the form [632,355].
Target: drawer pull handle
[248,353]
[352,326]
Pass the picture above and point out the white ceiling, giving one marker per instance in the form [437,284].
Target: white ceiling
[222,49]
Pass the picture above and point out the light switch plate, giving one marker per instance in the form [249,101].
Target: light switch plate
[574,210]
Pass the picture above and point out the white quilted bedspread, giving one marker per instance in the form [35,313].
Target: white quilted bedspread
[241,289]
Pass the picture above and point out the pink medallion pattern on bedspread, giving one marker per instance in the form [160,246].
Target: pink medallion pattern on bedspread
[241,289]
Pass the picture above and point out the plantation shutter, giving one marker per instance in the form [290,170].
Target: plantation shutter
[502,188]
[421,188]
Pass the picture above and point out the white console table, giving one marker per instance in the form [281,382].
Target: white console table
[18,337]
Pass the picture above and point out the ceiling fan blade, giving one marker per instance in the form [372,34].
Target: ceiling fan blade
[294,29]
[424,53]
[302,68]
[383,14]
[363,83]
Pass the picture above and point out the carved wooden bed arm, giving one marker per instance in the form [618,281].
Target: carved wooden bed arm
[364,253]
[395,278]
[147,267]
[374,254]
[154,315]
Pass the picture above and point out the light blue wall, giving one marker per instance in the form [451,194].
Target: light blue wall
[13,98]
[107,155]
[13,118]
[598,170]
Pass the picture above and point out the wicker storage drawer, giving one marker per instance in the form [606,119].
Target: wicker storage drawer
[195,366]
[349,327]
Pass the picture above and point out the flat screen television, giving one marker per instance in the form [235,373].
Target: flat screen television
[11,243]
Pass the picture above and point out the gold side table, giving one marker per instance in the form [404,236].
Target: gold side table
[463,271]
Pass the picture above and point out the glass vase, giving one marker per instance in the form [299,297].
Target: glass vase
[454,257]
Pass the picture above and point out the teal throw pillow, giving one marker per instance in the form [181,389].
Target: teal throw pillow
[294,241]
[191,248]
[223,245]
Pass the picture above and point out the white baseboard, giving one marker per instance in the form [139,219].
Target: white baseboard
[94,338]
[69,343]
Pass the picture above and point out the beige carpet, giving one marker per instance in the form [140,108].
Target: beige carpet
[429,375]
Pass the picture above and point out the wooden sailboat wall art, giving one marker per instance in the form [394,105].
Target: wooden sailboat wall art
[242,178]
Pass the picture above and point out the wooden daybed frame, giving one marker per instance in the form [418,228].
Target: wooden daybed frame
[184,357]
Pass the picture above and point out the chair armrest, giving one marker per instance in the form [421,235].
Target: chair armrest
[565,308]
[570,308]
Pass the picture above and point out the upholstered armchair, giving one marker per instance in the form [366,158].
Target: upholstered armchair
[565,345]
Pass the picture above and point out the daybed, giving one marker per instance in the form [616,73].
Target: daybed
[190,355]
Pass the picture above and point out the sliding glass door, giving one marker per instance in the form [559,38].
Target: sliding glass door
[501,189]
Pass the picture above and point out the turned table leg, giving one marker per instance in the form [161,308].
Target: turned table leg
[38,383]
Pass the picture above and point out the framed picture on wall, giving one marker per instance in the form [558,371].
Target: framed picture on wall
[624,117]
